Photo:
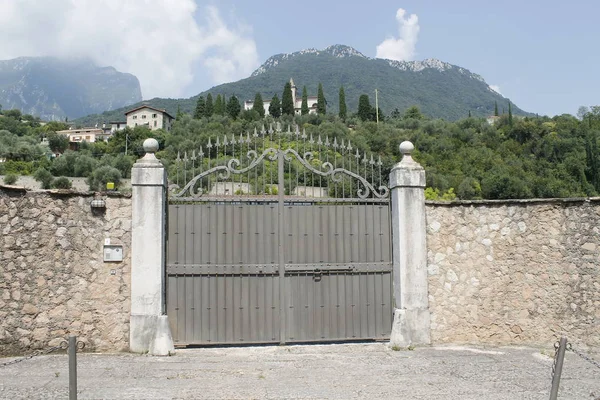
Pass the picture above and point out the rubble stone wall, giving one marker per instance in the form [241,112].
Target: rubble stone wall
[514,272]
[53,280]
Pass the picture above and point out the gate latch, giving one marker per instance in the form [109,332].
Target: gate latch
[317,274]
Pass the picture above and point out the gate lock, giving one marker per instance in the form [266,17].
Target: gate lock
[317,274]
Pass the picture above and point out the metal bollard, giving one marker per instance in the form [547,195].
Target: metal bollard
[560,357]
[72,367]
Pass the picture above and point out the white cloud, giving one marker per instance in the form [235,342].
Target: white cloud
[159,41]
[496,89]
[402,48]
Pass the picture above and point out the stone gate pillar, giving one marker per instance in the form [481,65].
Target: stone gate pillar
[149,330]
[411,306]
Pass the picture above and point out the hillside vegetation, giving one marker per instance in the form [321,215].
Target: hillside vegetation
[468,159]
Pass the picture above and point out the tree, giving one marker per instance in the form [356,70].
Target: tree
[209,108]
[200,108]
[413,113]
[45,178]
[58,143]
[275,107]
[258,105]
[495,108]
[179,113]
[321,102]
[233,107]
[364,108]
[304,107]
[100,177]
[287,101]
[343,110]
[469,113]
[219,108]
[510,116]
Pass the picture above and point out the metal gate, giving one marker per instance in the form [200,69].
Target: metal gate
[278,238]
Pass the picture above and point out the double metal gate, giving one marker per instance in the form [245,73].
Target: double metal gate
[271,250]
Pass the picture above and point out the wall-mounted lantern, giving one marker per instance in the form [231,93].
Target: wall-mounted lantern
[98,204]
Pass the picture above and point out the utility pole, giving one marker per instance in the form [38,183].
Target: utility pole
[376,107]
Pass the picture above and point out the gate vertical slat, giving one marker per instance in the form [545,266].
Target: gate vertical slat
[280,242]
[244,329]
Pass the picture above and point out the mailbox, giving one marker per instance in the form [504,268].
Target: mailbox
[113,253]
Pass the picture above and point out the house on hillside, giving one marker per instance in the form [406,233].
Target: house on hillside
[312,102]
[117,125]
[89,135]
[154,118]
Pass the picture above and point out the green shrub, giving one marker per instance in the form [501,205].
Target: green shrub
[44,176]
[18,167]
[10,179]
[62,182]
[98,179]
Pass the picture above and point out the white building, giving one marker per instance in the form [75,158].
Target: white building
[311,100]
[154,118]
[90,135]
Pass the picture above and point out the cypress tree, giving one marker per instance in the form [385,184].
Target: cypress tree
[275,107]
[258,105]
[179,113]
[219,109]
[364,108]
[343,110]
[287,102]
[304,108]
[469,113]
[233,107]
[321,102]
[496,108]
[510,117]
[208,108]
[200,108]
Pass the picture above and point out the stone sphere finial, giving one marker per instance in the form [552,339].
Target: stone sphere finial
[406,148]
[150,145]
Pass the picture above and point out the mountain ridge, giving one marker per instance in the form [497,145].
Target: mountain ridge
[54,89]
[440,89]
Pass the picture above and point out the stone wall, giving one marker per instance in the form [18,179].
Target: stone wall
[53,280]
[514,272]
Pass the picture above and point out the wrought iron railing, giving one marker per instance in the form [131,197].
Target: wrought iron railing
[248,165]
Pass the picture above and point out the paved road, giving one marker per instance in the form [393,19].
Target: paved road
[349,371]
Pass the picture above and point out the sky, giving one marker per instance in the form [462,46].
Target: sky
[542,55]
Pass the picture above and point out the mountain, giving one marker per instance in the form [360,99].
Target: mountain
[440,89]
[53,89]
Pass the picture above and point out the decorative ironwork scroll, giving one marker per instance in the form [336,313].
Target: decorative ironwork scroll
[248,165]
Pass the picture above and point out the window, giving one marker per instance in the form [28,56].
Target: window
[154,116]
[144,116]
[154,121]
[135,117]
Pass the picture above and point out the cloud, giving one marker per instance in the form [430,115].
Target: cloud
[496,89]
[230,54]
[159,41]
[402,48]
